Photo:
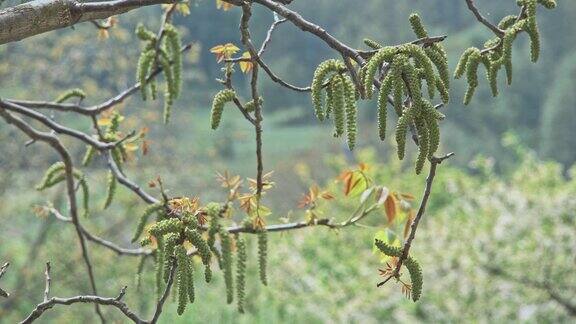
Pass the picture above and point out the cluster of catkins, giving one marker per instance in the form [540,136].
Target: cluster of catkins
[171,230]
[497,52]
[399,71]
[166,55]
[410,263]
[222,98]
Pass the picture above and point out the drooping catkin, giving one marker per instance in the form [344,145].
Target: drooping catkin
[241,273]
[72,93]
[322,71]
[472,74]
[385,89]
[351,109]
[263,256]
[410,263]
[401,130]
[174,44]
[111,189]
[170,92]
[423,144]
[227,265]
[338,103]
[49,175]
[89,155]
[462,63]
[159,258]
[144,66]
[220,99]
[194,237]
[150,209]
[182,280]
[170,242]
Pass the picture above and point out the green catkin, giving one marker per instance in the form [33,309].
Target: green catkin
[417,26]
[139,269]
[398,95]
[385,89]
[174,45]
[227,265]
[548,4]
[250,106]
[170,92]
[410,263]
[423,144]
[117,157]
[241,274]
[338,105]
[159,265]
[163,227]
[372,44]
[472,74]
[320,74]
[435,52]
[144,34]
[194,237]
[424,61]
[89,155]
[85,196]
[72,93]
[49,175]
[329,100]
[182,279]
[190,270]
[414,84]
[440,60]
[144,219]
[144,65]
[351,109]
[111,191]
[384,54]
[220,99]
[401,130]
[153,89]
[461,67]
[170,241]
[430,117]
[444,94]
[507,22]
[263,256]
[213,211]
[534,43]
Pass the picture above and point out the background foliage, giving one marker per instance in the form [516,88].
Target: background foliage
[504,208]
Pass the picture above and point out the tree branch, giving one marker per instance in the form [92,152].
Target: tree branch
[41,16]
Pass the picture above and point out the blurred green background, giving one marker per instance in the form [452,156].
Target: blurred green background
[498,243]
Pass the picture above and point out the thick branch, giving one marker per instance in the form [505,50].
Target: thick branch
[40,16]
